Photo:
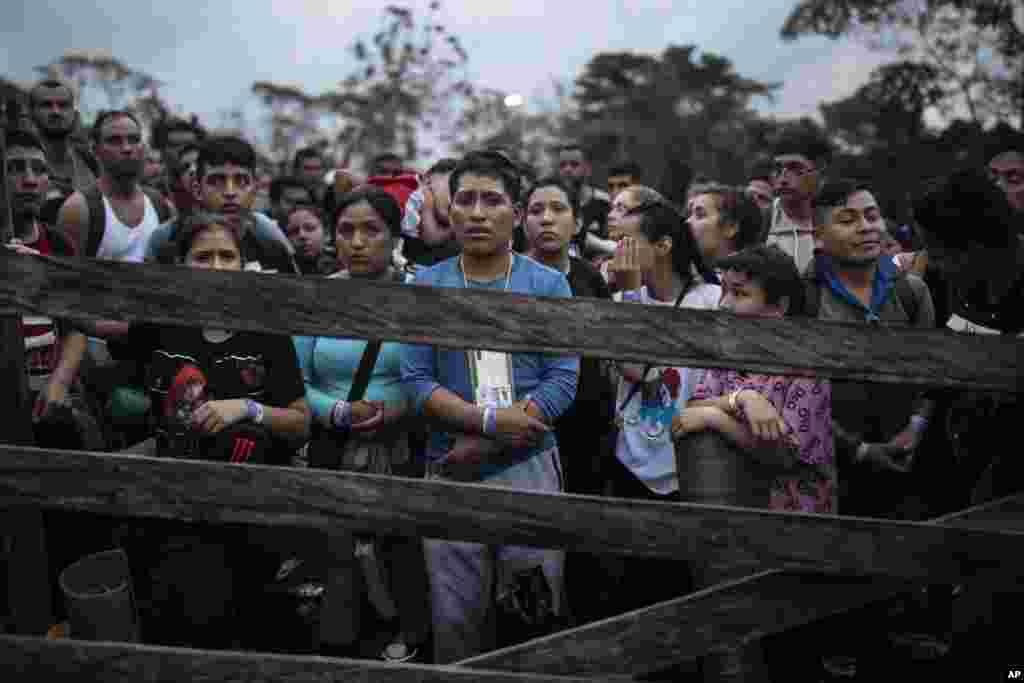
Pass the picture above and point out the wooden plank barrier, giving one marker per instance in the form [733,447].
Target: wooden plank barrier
[460,318]
[729,614]
[32,660]
[301,498]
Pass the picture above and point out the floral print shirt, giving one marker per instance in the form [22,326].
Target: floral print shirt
[805,405]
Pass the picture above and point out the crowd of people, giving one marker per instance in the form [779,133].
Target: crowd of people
[796,240]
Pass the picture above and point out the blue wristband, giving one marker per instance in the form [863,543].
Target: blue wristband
[918,424]
[490,420]
[254,411]
[632,295]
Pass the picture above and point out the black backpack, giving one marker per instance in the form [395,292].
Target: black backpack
[98,216]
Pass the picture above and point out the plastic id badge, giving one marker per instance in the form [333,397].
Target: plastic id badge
[490,372]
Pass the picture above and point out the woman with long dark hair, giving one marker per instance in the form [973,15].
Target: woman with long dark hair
[370,434]
[657,264]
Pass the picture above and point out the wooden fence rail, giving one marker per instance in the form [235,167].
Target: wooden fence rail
[729,614]
[32,660]
[459,318]
[125,485]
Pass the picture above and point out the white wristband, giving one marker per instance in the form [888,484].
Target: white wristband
[918,423]
[341,415]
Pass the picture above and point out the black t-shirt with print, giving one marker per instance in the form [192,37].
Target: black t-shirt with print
[182,369]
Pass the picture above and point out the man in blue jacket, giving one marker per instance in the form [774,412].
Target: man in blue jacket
[497,408]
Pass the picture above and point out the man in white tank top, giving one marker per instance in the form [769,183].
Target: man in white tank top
[130,217]
[123,242]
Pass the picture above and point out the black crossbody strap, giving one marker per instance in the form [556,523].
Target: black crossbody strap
[363,372]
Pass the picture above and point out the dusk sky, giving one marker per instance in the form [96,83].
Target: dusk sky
[210,53]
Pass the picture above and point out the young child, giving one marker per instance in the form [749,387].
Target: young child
[787,420]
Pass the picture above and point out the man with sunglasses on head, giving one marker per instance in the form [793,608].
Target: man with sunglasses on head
[799,162]
[494,410]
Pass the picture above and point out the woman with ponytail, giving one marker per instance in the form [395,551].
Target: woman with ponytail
[657,264]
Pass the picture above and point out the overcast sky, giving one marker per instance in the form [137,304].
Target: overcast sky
[209,53]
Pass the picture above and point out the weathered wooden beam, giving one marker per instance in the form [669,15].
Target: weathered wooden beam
[136,486]
[730,614]
[657,637]
[457,318]
[36,659]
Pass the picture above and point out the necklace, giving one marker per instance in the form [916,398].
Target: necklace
[508,273]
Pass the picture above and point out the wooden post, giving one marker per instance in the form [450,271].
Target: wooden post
[28,588]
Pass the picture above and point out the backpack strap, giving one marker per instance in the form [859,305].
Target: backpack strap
[97,220]
[812,297]
[82,149]
[98,215]
[907,297]
[903,289]
[163,213]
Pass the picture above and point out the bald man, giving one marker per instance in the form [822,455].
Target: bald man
[1007,170]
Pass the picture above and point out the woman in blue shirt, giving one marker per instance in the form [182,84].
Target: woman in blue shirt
[368,435]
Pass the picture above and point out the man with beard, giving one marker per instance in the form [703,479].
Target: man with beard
[112,220]
[115,218]
[72,165]
[592,240]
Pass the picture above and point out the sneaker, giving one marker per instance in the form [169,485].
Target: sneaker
[840,667]
[287,567]
[921,647]
[398,651]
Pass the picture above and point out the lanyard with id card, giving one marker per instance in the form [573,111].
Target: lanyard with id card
[490,374]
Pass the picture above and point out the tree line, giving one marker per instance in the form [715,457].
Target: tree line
[953,91]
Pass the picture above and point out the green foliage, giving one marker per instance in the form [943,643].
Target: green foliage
[96,72]
[674,114]
[407,76]
[410,75]
[974,48]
